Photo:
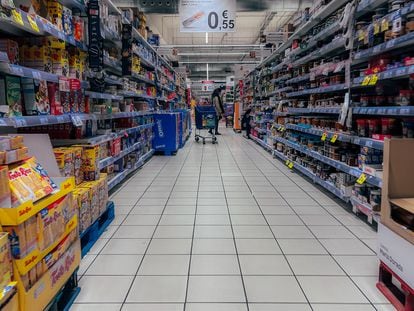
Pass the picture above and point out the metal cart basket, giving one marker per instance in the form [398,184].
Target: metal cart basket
[205,118]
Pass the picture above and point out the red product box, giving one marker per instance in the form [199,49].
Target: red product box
[116,146]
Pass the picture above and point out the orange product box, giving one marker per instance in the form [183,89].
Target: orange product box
[5,194]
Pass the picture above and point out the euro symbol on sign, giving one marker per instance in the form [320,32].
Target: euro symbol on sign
[225,14]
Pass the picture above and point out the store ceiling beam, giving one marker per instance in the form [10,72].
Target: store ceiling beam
[212,54]
[220,62]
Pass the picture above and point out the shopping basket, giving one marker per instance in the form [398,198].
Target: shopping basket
[205,118]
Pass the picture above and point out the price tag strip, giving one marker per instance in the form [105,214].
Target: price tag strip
[362,178]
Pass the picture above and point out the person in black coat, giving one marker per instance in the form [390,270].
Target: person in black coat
[216,99]
[245,122]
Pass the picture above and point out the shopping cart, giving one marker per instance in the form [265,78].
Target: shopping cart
[205,118]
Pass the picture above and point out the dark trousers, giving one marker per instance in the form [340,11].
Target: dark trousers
[217,124]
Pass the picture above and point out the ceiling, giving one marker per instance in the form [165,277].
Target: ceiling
[223,51]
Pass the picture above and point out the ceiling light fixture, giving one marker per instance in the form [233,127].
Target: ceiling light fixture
[206,37]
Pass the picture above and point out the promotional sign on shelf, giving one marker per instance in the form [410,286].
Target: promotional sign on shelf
[207,86]
[207,15]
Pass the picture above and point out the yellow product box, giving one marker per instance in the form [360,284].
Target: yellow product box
[77,158]
[51,223]
[81,198]
[27,184]
[60,61]
[90,163]
[22,238]
[12,303]
[65,161]
[6,268]
[55,43]
[74,65]
[46,288]
[93,192]
[41,58]
[103,192]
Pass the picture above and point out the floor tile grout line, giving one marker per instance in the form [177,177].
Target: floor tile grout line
[331,255]
[234,236]
[192,238]
[270,228]
[155,229]
[262,153]
[99,253]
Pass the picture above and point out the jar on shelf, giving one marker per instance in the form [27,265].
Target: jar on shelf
[408,128]
[362,127]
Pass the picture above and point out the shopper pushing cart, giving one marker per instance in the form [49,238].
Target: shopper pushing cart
[205,119]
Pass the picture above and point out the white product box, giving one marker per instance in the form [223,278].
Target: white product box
[397,253]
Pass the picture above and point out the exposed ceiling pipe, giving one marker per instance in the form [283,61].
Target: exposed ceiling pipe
[210,46]
[212,54]
[220,62]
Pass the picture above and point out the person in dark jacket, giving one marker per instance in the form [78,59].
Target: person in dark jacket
[246,122]
[217,101]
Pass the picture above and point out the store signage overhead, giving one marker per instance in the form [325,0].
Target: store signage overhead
[207,15]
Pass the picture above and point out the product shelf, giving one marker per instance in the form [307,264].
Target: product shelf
[21,23]
[362,141]
[44,291]
[364,208]
[26,72]
[141,78]
[353,171]
[321,52]
[396,73]
[17,215]
[122,175]
[327,185]
[366,6]
[80,4]
[323,110]
[262,143]
[393,44]
[281,78]
[314,20]
[384,111]
[27,263]
[111,160]
[103,95]
[305,77]
[319,90]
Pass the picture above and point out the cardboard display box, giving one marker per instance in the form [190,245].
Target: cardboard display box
[397,205]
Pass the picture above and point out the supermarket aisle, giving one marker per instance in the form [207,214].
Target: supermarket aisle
[218,226]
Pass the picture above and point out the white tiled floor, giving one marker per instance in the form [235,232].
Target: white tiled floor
[227,228]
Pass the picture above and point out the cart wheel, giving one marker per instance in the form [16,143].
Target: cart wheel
[204,141]
[197,139]
[213,142]
[214,139]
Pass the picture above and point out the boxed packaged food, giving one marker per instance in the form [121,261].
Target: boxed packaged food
[13,96]
[27,184]
[22,238]
[36,98]
[77,157]
[58,251]
[90,163]
[51,223]
[65,161]
[54,99]
[93,193]
[81,197]
[11,48]
[103,192]
[41,58]
[5,195]
[6,269]
[67,21]
[60,60]
[42,172]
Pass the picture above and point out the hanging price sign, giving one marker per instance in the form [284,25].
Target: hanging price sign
[366,80]
[17,17]
[290,165]
[362,178]
[384,25]
[33,23]
[334,138]
[207,15]
[324,136]
[373,80]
